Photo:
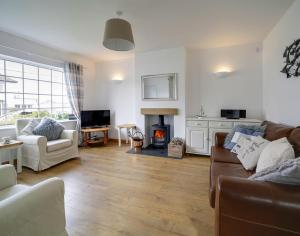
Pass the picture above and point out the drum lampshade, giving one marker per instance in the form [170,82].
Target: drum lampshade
[118,35]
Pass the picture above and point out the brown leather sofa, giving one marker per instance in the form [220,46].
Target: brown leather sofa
[247,207]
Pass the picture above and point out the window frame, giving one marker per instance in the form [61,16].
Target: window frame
[7,111]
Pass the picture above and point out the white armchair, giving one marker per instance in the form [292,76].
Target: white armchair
[40,154]
[27,211]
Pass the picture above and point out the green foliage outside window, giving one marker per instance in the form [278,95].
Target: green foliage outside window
[10,119]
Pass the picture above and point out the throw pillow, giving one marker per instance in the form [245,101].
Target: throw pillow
[237,135]
[248,151]
[254,130]
[236,139]
[274,153]
[30,127]
[287,172]
[49,128]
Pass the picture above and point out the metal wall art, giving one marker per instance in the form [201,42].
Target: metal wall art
[292,60]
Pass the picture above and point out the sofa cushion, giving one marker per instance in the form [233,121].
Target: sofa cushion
[248,151]
[252,130]
[225,169]
[220,154]
[275,152]
[58,144]
[49,128]
[10,191]
[276,131]
[287,172]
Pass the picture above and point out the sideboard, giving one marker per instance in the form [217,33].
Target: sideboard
[200,132]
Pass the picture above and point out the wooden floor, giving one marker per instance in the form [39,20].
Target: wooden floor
[110,192]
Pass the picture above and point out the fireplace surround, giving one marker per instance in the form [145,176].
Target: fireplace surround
[158,127]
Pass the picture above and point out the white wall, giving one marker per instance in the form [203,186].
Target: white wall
[240,90]
[161,62]
[118,96]
[280,95]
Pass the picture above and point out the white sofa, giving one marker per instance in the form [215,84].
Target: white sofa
[28,211]
[40,154]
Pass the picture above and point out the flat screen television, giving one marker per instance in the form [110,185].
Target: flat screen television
[95,118]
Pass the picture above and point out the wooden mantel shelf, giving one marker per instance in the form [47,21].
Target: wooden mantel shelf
[159,111]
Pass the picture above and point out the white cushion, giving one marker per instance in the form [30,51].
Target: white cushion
[248,151]
[10,191]
[237,135]
[30,127]
[58,144]
[274,153]
[236,138]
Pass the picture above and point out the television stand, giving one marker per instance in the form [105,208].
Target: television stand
[87,136]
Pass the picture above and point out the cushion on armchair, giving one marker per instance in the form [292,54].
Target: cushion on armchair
[28,129]
[49,128]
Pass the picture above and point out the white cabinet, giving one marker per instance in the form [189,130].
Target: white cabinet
[200,133]
[197,140]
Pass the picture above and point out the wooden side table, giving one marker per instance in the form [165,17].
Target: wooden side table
[13,145]
[87,135]
[127,127]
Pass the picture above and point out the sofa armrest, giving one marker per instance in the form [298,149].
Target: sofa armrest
[38,210]
[220,138]
[33,140]
[8,176]
[247,207]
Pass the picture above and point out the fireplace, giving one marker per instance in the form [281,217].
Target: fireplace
[160,133]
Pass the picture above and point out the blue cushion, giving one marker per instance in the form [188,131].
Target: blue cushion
[49,128]
[254,130]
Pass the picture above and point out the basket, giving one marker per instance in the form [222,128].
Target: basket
[138,141]
[175,150]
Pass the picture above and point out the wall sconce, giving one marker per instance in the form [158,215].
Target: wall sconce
[223,72]
[117,78]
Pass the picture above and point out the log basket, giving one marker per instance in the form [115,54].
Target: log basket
[138,141]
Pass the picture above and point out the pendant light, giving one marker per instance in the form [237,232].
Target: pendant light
[118,34]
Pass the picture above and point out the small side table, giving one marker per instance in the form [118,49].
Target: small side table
[128,127]
[13,145]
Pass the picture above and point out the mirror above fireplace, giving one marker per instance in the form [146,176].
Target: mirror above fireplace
[159,87]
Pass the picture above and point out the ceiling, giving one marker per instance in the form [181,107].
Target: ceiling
[77,25]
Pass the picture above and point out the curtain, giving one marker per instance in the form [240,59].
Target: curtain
[74,85]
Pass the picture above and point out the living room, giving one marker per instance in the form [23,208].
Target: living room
[149,117]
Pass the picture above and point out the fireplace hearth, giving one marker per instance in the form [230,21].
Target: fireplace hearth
[160,134]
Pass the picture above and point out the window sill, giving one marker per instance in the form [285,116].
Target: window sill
[7,127]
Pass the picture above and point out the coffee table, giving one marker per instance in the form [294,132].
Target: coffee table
[12,145]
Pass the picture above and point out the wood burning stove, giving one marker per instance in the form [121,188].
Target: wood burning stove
[160,134]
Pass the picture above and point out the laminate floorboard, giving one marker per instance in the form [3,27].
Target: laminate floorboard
[110,192]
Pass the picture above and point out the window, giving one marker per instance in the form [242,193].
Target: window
[31,90]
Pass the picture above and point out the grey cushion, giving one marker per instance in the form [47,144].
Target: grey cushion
[287,172]
[253,130]
[49,128]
